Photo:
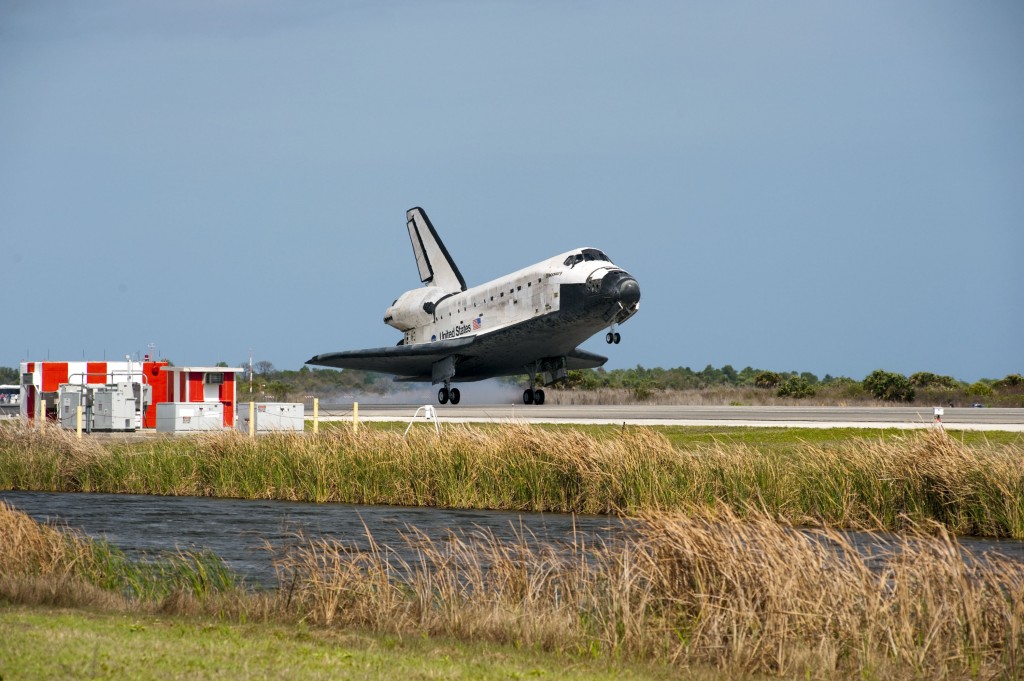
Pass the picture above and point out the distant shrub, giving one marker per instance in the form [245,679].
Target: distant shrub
[582,379]
[1012,383]
[641,392]
[980,389]
[926,379]
[767,379]
[852,391]
[797,387]
[889,386]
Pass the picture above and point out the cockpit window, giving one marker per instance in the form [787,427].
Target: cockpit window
[588,255]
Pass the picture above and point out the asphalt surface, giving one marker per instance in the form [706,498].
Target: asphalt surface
[810,417]
[959,418]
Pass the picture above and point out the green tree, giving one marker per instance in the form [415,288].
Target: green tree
[980,389]
[926,379]
[797,387]
[278,390]
[582,379]
[888,386]
[9,375]
[1012,383]
[767,379]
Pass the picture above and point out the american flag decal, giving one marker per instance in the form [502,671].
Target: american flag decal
[477,323]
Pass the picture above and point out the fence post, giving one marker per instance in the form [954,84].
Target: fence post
[316,415]
[252,419]
[78,420]
[355,417]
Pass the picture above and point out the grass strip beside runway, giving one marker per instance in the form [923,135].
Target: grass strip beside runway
[971,486]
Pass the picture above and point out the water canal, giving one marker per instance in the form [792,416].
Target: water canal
[238,530]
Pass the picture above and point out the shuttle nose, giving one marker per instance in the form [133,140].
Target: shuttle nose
[628,292]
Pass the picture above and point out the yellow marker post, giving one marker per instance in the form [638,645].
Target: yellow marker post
[41,416]
[355,417]
[78,420]
[252,419]
[316,415]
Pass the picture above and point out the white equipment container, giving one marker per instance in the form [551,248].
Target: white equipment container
[113,407]
[187,417]
[70,398]
[272,416]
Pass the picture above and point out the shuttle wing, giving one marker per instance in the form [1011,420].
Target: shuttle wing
[582,359]
[435,264]
[402,360]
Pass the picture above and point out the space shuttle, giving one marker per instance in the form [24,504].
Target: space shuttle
[531,321]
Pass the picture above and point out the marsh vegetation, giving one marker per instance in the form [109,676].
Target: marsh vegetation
[968,485]
[744,595]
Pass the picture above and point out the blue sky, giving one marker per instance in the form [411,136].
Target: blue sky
[826,187]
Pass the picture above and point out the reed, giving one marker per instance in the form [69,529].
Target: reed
[749,595]
[44,560]
[891,482]
[746,595]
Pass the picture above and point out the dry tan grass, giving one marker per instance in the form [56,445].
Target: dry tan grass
[712,396]
[749,595]
[29,547]
[43,565]
[745,594]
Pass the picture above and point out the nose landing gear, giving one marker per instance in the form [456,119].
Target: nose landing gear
[612,337]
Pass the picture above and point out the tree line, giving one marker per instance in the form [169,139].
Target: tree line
[887,386]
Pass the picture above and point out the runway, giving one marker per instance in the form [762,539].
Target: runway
[787,417]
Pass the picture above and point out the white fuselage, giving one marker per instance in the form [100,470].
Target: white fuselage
[509,300]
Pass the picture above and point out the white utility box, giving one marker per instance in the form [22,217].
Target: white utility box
[113,407]
[186,417]
[272,416]
[70,398]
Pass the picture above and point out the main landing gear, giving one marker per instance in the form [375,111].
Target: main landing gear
[612,337]
[533,396]
[446,394]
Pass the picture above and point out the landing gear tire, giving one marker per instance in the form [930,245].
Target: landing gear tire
[616,338]
[531,396]
[609,338]
[442,396]
[454,395]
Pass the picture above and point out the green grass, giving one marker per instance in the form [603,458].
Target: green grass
[972,483]
[683,437]
[42,643]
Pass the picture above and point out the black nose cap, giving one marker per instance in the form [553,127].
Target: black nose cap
[628,292]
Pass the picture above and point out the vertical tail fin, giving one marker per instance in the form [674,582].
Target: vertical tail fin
[435,264]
